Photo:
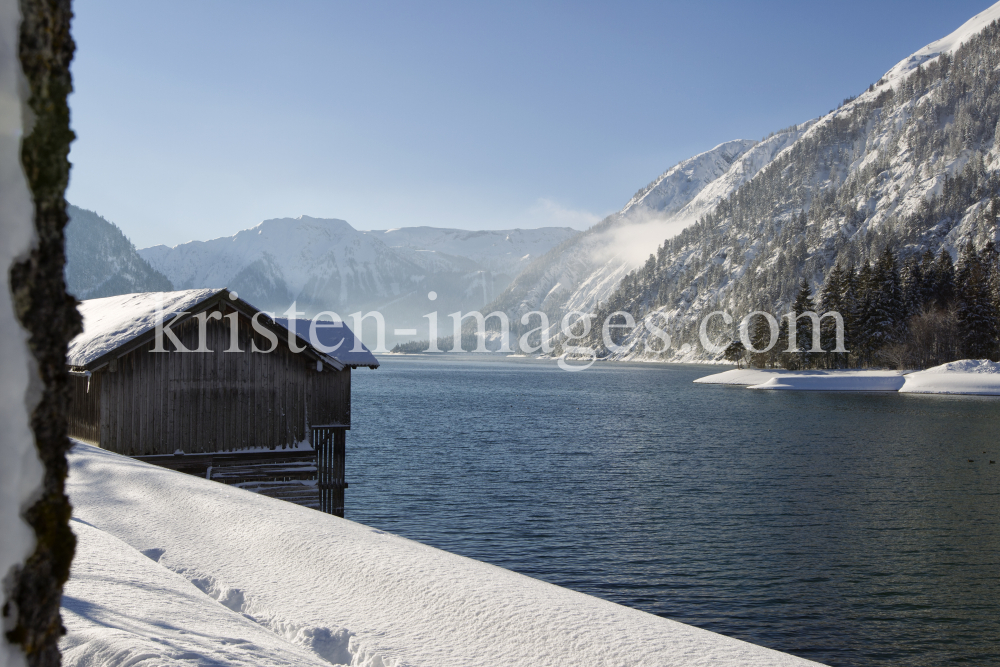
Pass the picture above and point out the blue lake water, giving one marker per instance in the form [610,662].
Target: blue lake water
[851,529]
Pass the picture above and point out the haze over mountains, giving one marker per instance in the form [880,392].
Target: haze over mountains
[587,268]
[321,264]
[911,163]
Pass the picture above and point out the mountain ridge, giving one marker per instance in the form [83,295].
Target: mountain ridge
[327,264]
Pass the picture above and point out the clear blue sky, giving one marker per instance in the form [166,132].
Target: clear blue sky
[198,119]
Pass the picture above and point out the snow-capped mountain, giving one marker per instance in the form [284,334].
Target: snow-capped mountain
[326,264]
[101,261]
[911,163]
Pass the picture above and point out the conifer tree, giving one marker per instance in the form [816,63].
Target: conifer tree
[884,319]
[852,304]
[943,285]
[927,279]
[912,279]
[834,298]
[862,313]
[760,335]
[993,268]
[736,351]
[976,315]
[803,328]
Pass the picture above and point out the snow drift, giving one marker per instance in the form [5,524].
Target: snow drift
[968,376]
[160,550]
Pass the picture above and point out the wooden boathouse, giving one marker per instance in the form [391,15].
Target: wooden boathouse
[202,382]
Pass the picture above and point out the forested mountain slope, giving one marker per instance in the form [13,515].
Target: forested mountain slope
[101,261]
[911,165]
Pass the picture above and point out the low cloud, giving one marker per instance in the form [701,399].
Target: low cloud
[549,213]
[636,240]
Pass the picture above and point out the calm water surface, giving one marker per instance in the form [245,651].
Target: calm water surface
[846,528]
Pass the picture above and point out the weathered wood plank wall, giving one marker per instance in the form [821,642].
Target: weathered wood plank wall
[84,418]
[151,403]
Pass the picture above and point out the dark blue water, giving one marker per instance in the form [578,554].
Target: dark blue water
[845,528]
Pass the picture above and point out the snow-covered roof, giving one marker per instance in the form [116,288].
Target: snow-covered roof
[113,321]
[116,321]
[341,342]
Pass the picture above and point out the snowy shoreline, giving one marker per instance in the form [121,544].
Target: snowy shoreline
[160,550]
[977,377]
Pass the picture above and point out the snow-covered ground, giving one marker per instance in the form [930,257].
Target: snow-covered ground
[122,608]
[969,376]
[174,569]
[836,381]
[756,378]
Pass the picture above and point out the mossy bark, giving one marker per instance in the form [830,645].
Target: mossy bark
[50,316]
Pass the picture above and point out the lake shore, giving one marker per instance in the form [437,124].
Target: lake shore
[969,376]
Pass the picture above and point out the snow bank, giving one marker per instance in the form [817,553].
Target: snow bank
[755,378]
[336,588]
[968,376]
[836,381]
[746,376]
[21,471]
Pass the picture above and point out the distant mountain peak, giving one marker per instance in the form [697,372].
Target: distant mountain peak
[327,264]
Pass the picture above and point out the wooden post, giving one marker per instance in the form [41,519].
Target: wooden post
[330,441]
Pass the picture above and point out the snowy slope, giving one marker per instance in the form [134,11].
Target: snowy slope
[968,376]
[648,226]
[809,380]
[336,588]
[120,607]
[909,164]
[948,44]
